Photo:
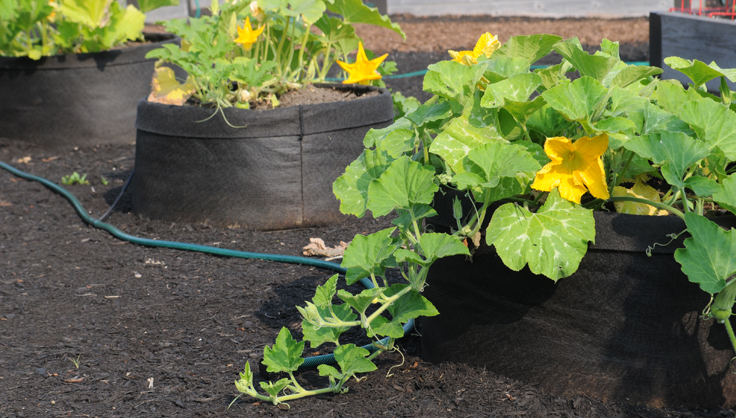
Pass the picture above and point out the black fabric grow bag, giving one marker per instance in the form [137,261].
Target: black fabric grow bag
[76,99]
[625,327]
[275,173]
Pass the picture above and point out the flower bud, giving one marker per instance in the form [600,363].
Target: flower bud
[244,96]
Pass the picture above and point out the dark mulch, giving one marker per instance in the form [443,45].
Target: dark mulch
[160,332]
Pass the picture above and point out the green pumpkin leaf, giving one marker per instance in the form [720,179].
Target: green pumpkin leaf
[368,254]
[552,241]
[405,219]
[709,256]
[500,68]
[435,245]
[309,10]
[354,11]
[670,96]
[452,80]
[285,355]
[697,71]
[615,125]
[384,327]
[530,48]
[516,88]
[403,184]
[397,142]
[361,301]
[87,12]
[594,66]
[487,166]
[323,294]
[318,336]
[245,383]
[554,75]
[713,123]
[674,151]
[578,100]
[351,188]
[411,305]
[333,29]
[702,186]
[459,138]
[329,371]
[548,122]
[146,6]
[426,113]
[726,195]
[659,120]
[274,388]
[375,136]
[522,111]
[633,73]
[123,25]
[403,255]
[353,360]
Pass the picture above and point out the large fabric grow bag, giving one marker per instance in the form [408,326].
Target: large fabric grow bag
[625,327]
[76,99]
[275,173]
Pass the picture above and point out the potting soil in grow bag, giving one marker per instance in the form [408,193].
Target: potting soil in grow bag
[273,170]
[624,327]
[76,99]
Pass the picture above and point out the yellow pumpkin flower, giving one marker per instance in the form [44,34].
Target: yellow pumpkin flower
[487,44]
[247,36]
[576,168]
[362,70]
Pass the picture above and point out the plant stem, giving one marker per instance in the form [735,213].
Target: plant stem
[386,304]
[731,335]
[303,47]
[616,177]
[648,202]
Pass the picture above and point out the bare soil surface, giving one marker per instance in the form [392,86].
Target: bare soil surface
[91,326]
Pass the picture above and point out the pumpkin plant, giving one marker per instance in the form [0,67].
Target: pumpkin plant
[245,52]
[536,152]
[37,28]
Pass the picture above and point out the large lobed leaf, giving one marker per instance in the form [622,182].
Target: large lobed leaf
[351,188]
[552,241]
[674,151]
[354,11]
[577,100]
[403,184]
[285,355]
[709,256]
[369,254]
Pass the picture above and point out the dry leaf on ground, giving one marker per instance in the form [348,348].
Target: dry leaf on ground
[317,248]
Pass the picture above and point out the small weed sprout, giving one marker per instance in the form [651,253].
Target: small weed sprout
[74,178]
[76,361]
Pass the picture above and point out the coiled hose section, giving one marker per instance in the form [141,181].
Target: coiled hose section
[309,362]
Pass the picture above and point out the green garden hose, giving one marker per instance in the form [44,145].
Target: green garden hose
[309,362]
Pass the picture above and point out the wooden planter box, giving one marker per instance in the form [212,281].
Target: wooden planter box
[691,37]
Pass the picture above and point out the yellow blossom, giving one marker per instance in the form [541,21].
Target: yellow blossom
[486,45]
[247,36]
[363,70]
[576,167]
